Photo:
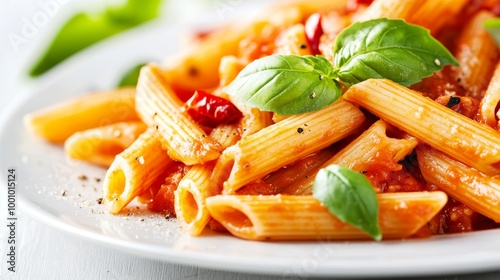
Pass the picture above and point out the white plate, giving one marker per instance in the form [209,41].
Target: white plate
[44,173]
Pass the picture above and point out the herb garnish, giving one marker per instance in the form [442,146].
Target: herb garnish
[493,27]
[350,197]
[380,48]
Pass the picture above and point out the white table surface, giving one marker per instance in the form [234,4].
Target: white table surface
[45,253]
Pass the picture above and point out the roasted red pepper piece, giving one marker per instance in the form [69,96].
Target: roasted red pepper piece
[210,110]
[314,30]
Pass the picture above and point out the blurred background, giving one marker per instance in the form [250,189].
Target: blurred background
[29,26]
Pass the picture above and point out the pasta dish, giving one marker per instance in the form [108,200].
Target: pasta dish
[342,120]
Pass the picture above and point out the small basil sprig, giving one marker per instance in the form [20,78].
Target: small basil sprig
[349,196]
[380,48]
[493,27]
[287,84]
[84,30]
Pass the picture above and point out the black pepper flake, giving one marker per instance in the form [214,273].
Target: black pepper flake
[307,176]
[300,130]
[303,46]
[156,126]
[168,216]
[99,200]
[193,71]
[82,177]
[459,80]
[63,193]
[363,171]
[453,101]
[97,179]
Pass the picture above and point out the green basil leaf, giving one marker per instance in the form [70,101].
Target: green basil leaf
[350,197]
[131,77]
[286,84]
[389,49]
[493,27]
[83,30]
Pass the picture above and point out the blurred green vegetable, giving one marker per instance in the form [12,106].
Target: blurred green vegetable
[83,30]
[493,27]
[131,76]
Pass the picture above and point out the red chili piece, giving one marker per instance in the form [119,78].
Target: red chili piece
[314,30]
[353,5]
[210,110]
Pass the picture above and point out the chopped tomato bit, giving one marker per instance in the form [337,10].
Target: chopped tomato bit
[210,110]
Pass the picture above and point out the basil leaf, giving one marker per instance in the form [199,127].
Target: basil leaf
[390,49]
[131,77]
[493,27]
[83,30]
[286,84]
[350,197]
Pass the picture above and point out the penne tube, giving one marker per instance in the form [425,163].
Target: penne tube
[229,68]
[284,143]
[134,170]
[471,187]
[488,113]
[293,41]
[59,122]
[100,145]
[401,9]
[358,154]
[196,186]
[283,217]
[477,54]
[438,126]
[160,108]
[433,15]
[304,168]
[190,196]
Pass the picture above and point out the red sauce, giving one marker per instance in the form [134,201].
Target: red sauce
[441,83]
[163,200]
[386,175]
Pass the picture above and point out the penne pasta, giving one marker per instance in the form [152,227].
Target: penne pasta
[477,54]
[134,170]
[193,141]
[358,154]
[433,15]
[488,112]
[469,186]
[401,9]
[440,127]
[100,145]
[283,217]
[160,108]
[293,41]
[284,143]
[59,122]
[196,186]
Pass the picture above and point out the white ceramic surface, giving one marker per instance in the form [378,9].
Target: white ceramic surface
[44,173]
